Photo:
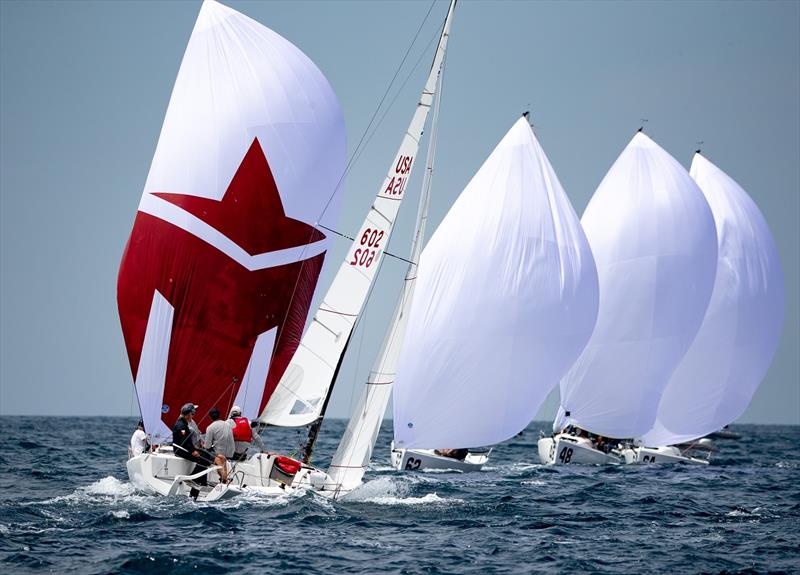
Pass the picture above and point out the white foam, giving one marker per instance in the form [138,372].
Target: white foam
[110,486]
[387,491]
[425,499]
[737,513]
[261,497]
[107,487]
[533,482]
[121,514]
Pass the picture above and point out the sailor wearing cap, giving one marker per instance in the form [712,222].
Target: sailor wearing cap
[243,434]
[186,444]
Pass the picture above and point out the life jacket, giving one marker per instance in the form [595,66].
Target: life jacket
[242,430]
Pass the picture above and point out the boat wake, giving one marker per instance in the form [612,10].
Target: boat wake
[390,491]
[102,489]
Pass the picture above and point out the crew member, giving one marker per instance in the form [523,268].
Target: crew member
[219,436]
[186,445]
[459,454]
[242,433]
[139,442]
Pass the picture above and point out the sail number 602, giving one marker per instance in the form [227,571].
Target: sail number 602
[371,242]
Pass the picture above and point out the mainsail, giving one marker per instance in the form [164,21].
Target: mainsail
[653,239]
[302,392]
[718,376]
[221,266]
[506,299]
[355,449]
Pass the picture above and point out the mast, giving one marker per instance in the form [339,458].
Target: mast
[304,389]
[396,331]
[355,449]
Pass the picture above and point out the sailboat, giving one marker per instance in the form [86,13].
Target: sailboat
[222,263]
[653,237]
[722,369]
[285,379]
[507,298]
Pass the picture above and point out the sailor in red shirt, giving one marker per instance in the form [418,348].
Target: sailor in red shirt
[243,434]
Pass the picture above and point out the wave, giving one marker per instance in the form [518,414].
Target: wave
[390,491]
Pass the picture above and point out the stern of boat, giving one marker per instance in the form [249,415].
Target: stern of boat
[547,446]
[571,449]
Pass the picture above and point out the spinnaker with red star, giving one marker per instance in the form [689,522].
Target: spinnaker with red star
[222,263]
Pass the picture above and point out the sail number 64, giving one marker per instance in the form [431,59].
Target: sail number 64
[371,242]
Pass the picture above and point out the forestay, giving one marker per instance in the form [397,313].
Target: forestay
[653,239]
[506,299]
[719,374]
[222,263]
[301,393]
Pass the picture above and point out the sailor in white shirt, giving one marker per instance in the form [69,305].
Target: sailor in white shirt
[139,440]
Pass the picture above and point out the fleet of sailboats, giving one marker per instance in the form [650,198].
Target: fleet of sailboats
[658,311]
[714,366]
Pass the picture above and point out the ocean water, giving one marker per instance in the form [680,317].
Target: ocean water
[66,506]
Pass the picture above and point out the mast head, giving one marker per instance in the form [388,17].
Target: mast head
[527,115]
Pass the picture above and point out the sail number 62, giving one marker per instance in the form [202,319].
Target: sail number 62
[371,242]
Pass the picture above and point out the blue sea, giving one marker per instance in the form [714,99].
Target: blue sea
[66,506]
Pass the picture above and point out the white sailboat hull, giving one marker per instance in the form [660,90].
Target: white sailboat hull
[427,459]
[260,471]
[566,449]
[164,473]
[668,454]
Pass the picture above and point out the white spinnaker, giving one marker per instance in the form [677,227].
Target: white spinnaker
[355,449]
[505,301]
[718,376]
[654,241]
[300,395]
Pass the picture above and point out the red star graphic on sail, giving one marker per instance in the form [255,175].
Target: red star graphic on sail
[251,211]
[220,307]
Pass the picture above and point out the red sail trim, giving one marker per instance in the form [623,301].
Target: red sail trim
[220,307]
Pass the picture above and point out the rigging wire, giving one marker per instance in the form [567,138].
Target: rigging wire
[436,34]
[345,236]
[354,157]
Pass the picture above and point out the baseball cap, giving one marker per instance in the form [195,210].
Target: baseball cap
[188,408]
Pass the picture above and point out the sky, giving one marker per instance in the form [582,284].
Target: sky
[84,87]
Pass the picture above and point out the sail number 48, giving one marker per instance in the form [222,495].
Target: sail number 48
[371,243]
